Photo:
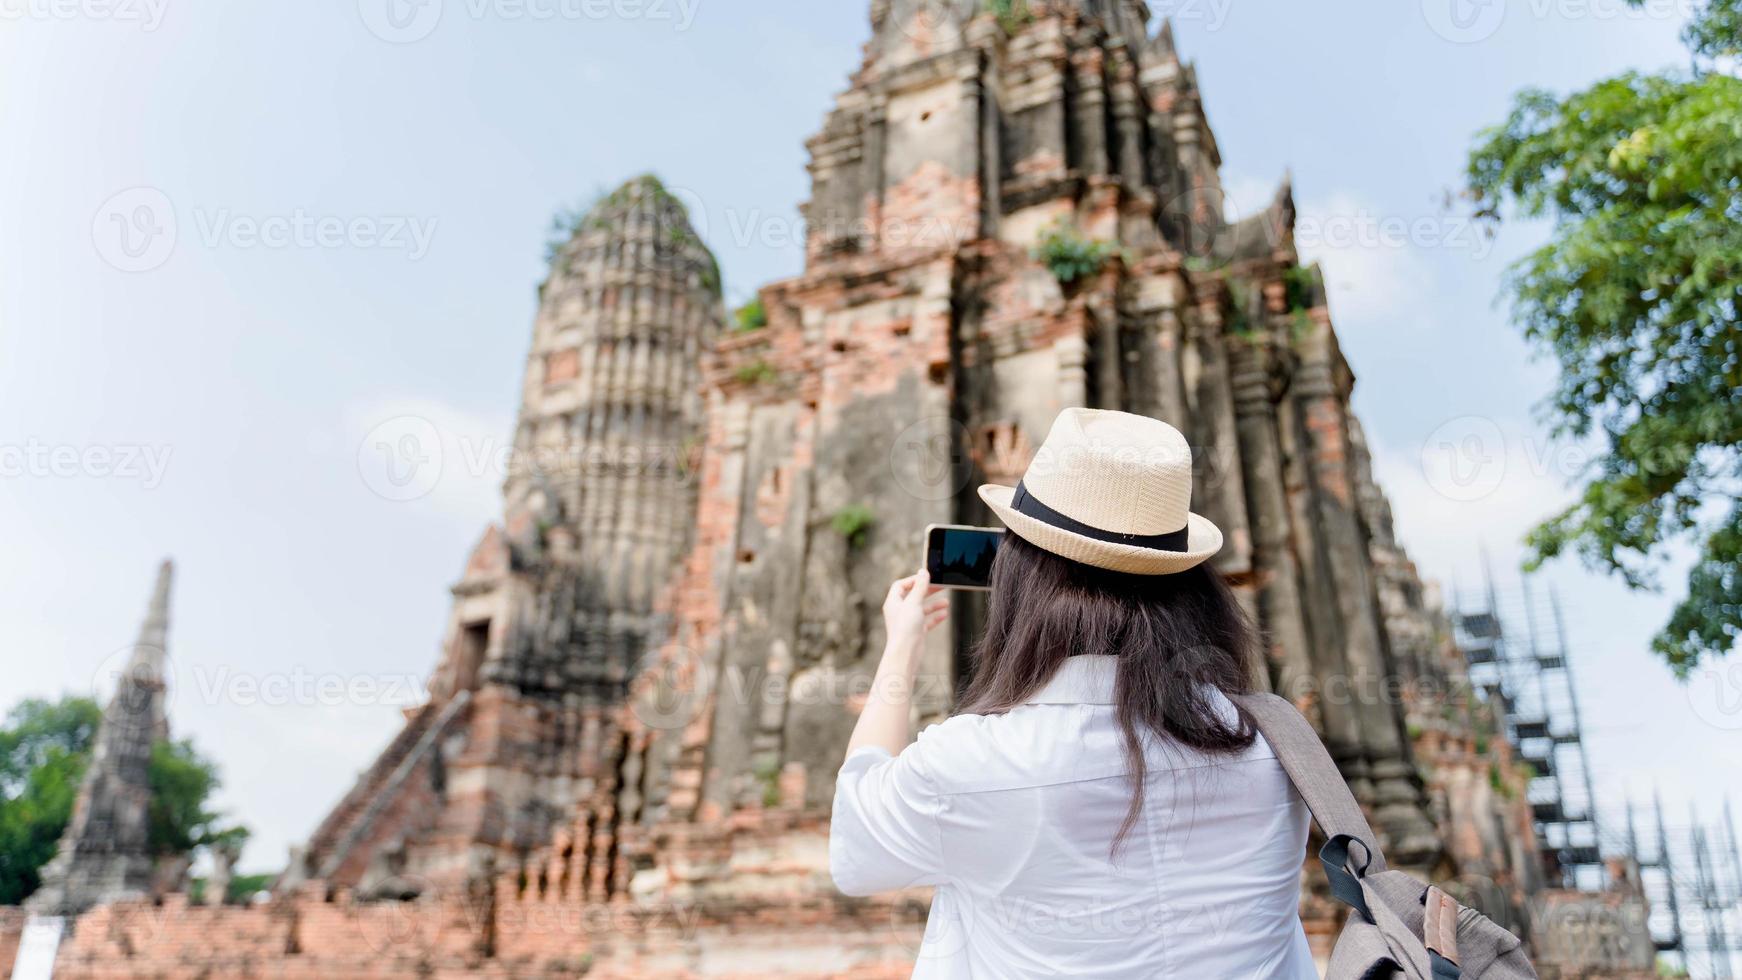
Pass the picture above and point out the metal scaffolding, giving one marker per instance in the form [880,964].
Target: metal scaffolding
[1515,644]
[1692,876]
[1517,649]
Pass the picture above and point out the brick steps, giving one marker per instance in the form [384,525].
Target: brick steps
[377,789]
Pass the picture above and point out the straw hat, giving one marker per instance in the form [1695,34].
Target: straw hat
[1113,490]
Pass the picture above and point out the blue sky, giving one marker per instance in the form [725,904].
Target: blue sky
[359,227]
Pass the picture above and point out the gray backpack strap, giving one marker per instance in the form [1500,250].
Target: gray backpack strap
[1314,775]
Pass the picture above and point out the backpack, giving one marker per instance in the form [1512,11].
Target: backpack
[1399,928]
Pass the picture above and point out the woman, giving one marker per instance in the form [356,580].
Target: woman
[1098,808]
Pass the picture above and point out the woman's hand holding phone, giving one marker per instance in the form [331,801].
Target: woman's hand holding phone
[910,612]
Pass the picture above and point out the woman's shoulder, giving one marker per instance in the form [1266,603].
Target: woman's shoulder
[1029,745]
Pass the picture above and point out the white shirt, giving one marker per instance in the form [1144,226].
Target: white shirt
[1012,817]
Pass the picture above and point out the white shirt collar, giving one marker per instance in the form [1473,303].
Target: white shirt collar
[1083,679]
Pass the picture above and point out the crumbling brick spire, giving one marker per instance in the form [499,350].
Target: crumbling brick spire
[105,852]
[601,492]
[558,607]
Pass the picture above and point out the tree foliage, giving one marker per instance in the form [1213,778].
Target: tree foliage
[45,748]
[1636,296]
[43,751]
[181,784]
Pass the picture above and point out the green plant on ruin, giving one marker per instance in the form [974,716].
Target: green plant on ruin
[766,770]
[1013,15]
[756,372]
[1497,781]
[854,523]
[1299,284]
[750,316]
[1069,256]
[1239,306]
[564,226]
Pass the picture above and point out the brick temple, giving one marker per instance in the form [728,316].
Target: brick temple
[626,763]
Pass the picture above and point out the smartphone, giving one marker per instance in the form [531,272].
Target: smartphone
[960,557]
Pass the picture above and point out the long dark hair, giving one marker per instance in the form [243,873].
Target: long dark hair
[1177,637]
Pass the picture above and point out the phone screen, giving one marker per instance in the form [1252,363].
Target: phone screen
[961,557]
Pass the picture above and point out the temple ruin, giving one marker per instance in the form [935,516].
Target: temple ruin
[648,676]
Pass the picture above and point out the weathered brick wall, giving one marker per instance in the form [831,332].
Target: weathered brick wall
[11,932]
[769,926]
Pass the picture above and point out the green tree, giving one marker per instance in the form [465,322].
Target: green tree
[181,783]
[44,750]
[1636,295]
